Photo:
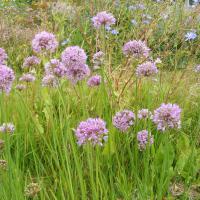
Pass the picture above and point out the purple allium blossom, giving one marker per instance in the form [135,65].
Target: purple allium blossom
[44,41]
[144,114]
[31,61]
[73,55]
[28,77]
[143,137]
[7,128]
[94,81]
[49,80]
[123,120]
[74,58]
[55,67]
[167,116]
[197,69]
[103,18]
[98,58]
[136,49]
[190,36]
[7,77]
[3,56]
[93,131]
[146,69]
[20,87]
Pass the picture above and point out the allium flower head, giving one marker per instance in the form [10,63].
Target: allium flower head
[44,41]
[94,81]
[190,36]
[144,114]
[32,190]
[55,67]
[143,137]
[73,55]
[6,78]
[7,128]
[167,116]
[93,131]
[103,19]
[31,61]
[20,87]
[123,120]
[197,69]
[3,56]
[74,59]
[98,58]
[49,80]
[146,69]
[136,49]
[28,77]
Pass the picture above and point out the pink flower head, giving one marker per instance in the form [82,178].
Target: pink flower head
[167,116]
[144,114]
[136,49]
[124,120]
[49,80]
[146,69]
[103,18]
[143,137]
[3,56]
[93,131]
[94,81]
[44,41]
[7,77]
[31,61]
[28,77]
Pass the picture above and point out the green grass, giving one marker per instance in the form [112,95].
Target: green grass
[43,148]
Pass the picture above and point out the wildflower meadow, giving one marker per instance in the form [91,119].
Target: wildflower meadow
[99,100]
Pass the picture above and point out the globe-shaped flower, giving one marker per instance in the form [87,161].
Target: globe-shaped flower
[124,120]
[136,49]
[7,128]
[93,131]
[103,19]
[144,114]
[31,61]
[98,58]
[3,56]
[49,80]
[28,77]
[143,137]
[94,81]
[55,67]
[44,41]
[6,78]
[167,116]
[146,69]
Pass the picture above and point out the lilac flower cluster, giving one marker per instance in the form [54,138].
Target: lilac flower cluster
[136,49]
[144,114]
[55,67]
[44,41]
[49,80]
[27,77]
[20,87]
[94,81]
[6,78]
[103,19]
[93,131]
[3,56]
[146,69]
[97,59]
[31,61]
[7,128]
[143,137]
[167,116]
[123,120]
[74,58]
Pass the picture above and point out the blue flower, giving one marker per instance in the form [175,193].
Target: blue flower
[115,32]
[190,36]
[134,22]
[108,28]
[64,42]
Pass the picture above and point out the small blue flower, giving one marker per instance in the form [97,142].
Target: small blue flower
[146,21]
[190,36]
[115,32]
[108,28]
[64,42]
